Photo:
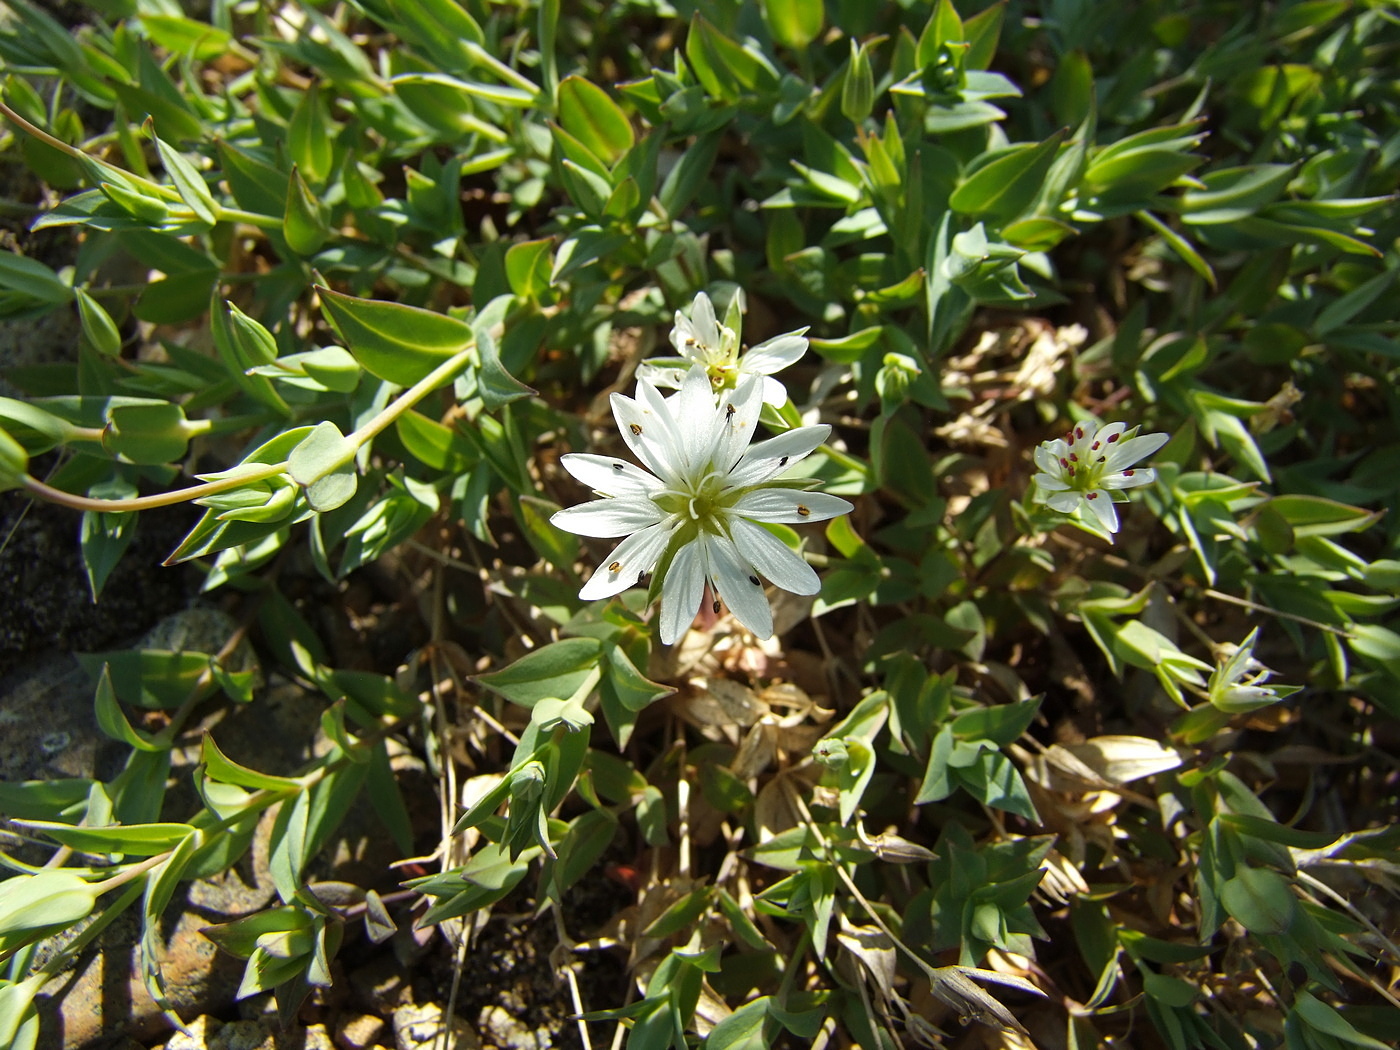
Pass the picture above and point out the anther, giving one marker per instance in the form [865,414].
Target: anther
[729,411]
[783,462]
[1113,438]
[636,429]
[715,608]
[804,510]
[615,567]
[1079,433]
[754,580]
[1091,495]
[1129,473]
[618,467]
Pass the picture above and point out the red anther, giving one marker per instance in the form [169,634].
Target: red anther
[1094,447]
[1128,473]
[1114,437]
[1091,495]
[1073,457]
[1064,463]
[1079,433]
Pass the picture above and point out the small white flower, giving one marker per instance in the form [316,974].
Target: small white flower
[701,339]
[1236,685]
[1089,464]
[694,514]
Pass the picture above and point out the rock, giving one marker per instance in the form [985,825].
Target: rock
[358,1031]
[505,1031]
[420,1028]
[205,1033]
[380,985]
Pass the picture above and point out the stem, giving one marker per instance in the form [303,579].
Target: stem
[405,401]
[410,397]
[163,499]
[1222,596]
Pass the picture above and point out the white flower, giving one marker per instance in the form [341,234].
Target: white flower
[694,514]
[702,340]
[1236,684]
[1090,463]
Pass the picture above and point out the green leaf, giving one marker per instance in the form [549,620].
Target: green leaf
[1325,1019]
[793,23]
[633,690]
[141,840]
[398,343]
[243,344]
[590,116]
[187,37]
[553,672]
[150,434]
[189,183]
[149,678]
[1231,194]
[1260,900]
[309,137]
[527,267]
[98,326]
[49,898]
[112,721]
[19,273]
[496,386]
[1006,186]
[324,464]
[219,767]
[304,222]
[858,87]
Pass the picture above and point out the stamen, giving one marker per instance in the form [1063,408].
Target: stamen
[804,510]
[1091,495]
[615,567]
[715,607]
[729,411]
[636,429]
[1113,437]
[618,467]
[754,580]
[783,462]
[1079,433]
[1129,473]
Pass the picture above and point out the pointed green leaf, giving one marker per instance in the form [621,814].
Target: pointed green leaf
[189,183]
[1003,188]
[793,23]
[397,343]
[594,119]
[552,672]
[304,222]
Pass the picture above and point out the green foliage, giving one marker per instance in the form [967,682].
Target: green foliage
[404,247]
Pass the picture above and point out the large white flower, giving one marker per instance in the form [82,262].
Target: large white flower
[1089,464]
[694,515]
[701,339]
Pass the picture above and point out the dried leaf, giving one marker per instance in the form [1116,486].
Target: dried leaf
[1123,759]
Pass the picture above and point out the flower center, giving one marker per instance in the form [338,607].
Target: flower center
[696,501]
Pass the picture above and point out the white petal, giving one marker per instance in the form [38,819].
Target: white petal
[1126,453]
[702,313]
[647,435]
[1046,460]
[609,476]
[608,517]
[769,458]
[681,591]
[1048,483]
[667,376]
[737,586]
[661,413]
[1101,503]
[693,411]
[789,505]
[775,354]
[736,429]
[1127,480]
[772,558]
[774,393]
[1064,502]
[633,556]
